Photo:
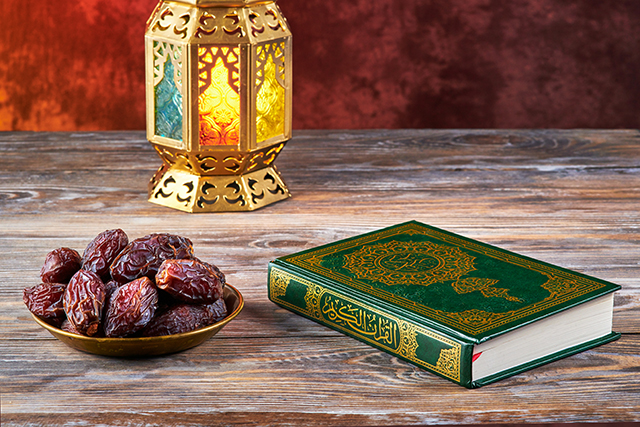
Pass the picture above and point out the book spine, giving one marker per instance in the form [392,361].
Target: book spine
[421,346]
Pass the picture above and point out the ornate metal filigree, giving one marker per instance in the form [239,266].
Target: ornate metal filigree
[161,52]
[209,163]
[217,24]
[264,157]
[192,193]
[273,52]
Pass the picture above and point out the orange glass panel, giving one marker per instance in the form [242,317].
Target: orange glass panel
[219,101]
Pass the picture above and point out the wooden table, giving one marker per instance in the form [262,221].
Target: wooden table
[567,197]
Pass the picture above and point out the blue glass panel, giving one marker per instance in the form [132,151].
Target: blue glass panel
[168,103]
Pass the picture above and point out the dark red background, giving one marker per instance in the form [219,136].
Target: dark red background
[78,65]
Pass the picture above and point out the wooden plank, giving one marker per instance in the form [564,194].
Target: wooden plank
[566,197]
[291,375]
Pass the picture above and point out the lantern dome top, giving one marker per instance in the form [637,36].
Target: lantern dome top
[187,23]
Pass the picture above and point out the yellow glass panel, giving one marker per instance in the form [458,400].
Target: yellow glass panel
[219,101]
[270,99]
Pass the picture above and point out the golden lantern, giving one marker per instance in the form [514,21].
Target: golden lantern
[218,96]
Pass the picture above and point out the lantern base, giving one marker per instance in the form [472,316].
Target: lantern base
[179,189]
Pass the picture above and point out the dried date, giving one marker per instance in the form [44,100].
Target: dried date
[103,250]
[68,327]
[60,265]
[190,280]
[84,300]
[45,301]
[110,287]
[217,310]
[130,308]
[143,256]
[179,319]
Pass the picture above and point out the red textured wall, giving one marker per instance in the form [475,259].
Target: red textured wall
[78,65]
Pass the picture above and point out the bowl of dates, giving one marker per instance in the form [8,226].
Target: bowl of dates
[145,297]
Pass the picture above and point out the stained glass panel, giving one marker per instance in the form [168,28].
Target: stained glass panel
[270,101]
[219,100]
[167,90]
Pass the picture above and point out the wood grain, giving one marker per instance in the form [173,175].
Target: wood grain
[567,197]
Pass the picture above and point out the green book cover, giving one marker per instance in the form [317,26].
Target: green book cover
[464,310]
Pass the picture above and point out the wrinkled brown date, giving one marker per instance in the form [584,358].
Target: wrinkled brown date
[45,301]
[84,299]
[143,256]
[60,265]
[190,280]
[217,310]
[68,327]
[103,250]
[110,287]
[130,308]
[184,318]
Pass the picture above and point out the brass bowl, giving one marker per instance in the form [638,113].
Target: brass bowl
[149,346]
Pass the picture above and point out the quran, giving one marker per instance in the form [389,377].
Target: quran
[464,310]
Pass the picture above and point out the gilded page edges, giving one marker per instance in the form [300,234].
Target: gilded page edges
[375,327]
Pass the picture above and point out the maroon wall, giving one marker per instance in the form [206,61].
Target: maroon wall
[78,65]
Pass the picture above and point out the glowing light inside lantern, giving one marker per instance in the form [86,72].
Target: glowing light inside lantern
[219,100]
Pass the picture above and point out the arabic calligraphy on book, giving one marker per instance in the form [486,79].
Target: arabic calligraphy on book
[378,328]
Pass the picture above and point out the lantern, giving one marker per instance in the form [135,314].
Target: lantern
[218,96]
